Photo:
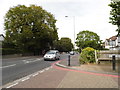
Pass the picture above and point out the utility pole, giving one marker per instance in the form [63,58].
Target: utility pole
[73,29]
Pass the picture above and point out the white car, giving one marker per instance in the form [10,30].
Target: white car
[72,53]
[52,55]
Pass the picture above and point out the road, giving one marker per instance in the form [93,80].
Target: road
[16,68]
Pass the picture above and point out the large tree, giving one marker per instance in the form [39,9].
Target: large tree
[30,28]
[88,39]
[64,44]
[115,13]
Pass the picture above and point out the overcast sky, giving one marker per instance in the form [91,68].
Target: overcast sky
[92,15]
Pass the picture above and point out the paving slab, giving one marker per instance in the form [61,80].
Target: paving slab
[82,80]
[47,79]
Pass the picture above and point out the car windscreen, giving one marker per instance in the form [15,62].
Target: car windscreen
[50,52]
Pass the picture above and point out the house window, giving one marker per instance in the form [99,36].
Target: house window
[112,43]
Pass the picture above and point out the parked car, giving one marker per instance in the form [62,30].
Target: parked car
[54,51]
[72,53]
[52,55]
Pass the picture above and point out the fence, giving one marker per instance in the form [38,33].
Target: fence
[106,55]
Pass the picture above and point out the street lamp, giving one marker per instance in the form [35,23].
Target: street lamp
[74,28]
[118,16]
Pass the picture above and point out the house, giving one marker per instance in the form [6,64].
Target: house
[1,37]
[113,43]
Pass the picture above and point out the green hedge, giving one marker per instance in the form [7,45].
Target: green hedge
[8,51]
[87,55]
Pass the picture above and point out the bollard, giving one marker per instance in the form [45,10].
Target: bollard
[68,60]
[113,62]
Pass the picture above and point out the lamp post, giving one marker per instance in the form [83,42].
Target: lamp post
[118,25]
[74,28]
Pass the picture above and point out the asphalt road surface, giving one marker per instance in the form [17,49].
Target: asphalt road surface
[16,68]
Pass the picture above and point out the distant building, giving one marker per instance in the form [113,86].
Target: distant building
[113,43]
[1,37]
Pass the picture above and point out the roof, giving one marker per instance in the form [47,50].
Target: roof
[108,40]
[113,38]
[1,35]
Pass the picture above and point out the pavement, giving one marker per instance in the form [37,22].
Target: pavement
[105,68]
[60,75]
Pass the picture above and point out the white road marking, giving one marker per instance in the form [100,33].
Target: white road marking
[25,61]
[51,66]
[42,71]
[8,66]
[31,60]
[39,59]
[12,85]
[25,79]
[36,60]
[47,68]
[35,74]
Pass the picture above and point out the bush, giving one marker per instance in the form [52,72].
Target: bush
[8,51]
[87,55]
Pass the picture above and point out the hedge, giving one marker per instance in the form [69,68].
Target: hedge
[8,51]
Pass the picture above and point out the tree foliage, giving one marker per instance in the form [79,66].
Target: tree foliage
[88,39]
[115,14]
[64,45]
[30,28]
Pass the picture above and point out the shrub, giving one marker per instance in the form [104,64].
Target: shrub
[87,55]
[8,51]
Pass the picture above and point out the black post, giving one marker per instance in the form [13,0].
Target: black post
[68,60]
[113,62]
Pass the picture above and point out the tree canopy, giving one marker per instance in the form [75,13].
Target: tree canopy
[88,39]
[30,28]
[64,44]
[115,13]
